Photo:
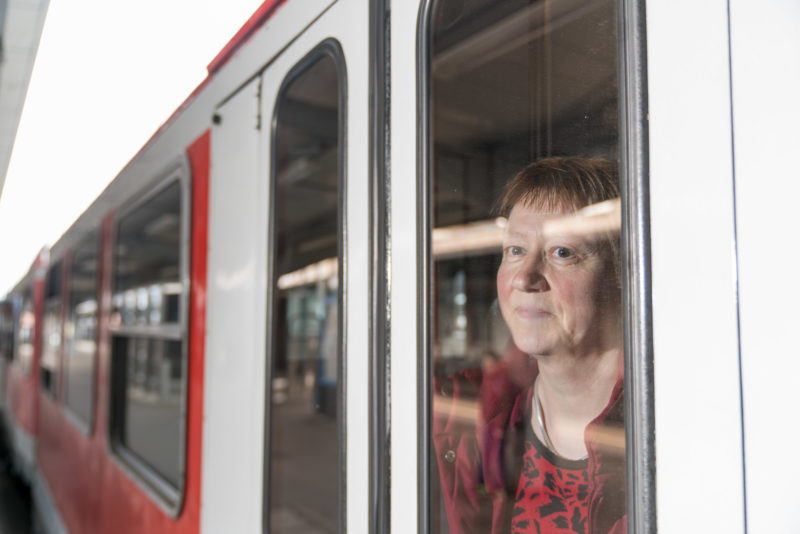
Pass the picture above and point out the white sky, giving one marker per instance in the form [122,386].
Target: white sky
[108,73]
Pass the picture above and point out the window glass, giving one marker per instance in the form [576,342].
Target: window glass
[525,313]
[51,331]
[148,361]
[6,330]
[26,328]
[80,329]
[305,418]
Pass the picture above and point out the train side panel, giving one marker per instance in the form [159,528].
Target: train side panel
[90,490]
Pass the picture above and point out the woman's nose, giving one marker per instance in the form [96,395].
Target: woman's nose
[530,276]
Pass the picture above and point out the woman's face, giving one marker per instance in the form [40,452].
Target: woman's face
[556,286]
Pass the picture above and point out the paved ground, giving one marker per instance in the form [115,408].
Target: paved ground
[15,497]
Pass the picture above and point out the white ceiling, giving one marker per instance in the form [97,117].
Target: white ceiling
[20,40]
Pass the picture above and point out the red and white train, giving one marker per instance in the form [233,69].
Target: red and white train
[241,333]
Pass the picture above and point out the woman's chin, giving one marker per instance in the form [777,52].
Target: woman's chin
[536,348]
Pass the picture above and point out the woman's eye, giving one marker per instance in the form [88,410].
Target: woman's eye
[563,253]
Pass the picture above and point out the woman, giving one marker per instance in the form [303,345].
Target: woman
[548,455]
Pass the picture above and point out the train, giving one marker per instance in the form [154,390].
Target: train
[252,326]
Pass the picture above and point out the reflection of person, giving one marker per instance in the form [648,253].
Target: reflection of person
[548,456]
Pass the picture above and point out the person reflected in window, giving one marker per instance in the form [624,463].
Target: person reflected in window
[548,454]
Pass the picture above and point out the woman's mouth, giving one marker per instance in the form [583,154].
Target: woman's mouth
[531,312]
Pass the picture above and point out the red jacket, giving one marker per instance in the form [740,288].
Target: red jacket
[478,436]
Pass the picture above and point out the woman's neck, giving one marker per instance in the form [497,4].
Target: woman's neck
[572,393]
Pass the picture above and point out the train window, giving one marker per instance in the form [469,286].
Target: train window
[305,415]
[80,330]
[148,349]
[6,330]
[26,328]
[51,331]
[524,313]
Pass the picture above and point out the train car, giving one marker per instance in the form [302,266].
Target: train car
[313,303]
[20,346]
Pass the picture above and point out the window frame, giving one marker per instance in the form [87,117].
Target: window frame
[168,497]
[84,426]
[58,267]
[331,48]
[639,400]
[8,332]
[379,269]
[25,365]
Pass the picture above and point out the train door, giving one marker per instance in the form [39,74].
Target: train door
[559,92]
[290,180]
[765,80]
[518,149]
[694,304]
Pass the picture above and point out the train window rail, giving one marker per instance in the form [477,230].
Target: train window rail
[80,330]
[524,313]
[148,349]
[306,418]
[51,331]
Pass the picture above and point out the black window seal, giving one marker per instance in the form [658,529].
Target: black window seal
[379,290]
[328,48]
[424,205]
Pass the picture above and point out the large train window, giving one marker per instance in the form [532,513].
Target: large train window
[51,331]
[524,315]
[80,330]
[148,323]
[305,363]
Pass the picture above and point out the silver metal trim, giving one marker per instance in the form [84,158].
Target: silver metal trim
[637,289]
[424,239]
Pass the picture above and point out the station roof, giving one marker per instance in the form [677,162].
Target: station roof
[21,23]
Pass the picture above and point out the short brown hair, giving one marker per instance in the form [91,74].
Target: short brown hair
[568,183]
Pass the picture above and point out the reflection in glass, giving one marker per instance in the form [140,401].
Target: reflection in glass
[304,463]
[80,329]
[527,429]
[147,352]
[149,423]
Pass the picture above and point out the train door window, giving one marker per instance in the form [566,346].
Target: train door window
[148,323]
[51,331]
[26,328]
[524,313]
[306,389]
[80,330]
